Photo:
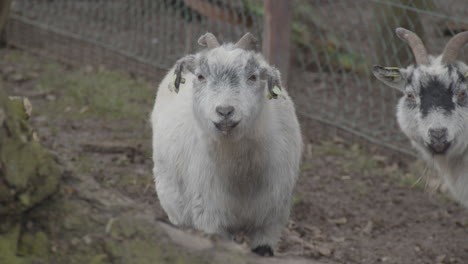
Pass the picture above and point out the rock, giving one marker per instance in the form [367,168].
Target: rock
[185,239]
[28,172]
[28,175]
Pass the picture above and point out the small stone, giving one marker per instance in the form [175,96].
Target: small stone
[84,109]
[87,240]
[75,241]
[339,140]
[35,137]
[17,77]
[51,97]
[27,106]
[380,158]
[32,75]
[338,221]
[338,239]
[384,259]
[441,258]
[324,250]
[88,69]
[8,70]
[368,228]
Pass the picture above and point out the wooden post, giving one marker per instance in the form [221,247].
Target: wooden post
[277,35]
[4,12]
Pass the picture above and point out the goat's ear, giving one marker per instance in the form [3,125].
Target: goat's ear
[183,65]
[273,79]
[391,76]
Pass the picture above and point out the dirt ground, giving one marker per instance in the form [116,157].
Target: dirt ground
[350,206]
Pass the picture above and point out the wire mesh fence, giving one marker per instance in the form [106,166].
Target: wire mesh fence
[334,45]
[154,32]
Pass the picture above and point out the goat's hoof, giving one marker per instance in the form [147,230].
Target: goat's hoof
[264,251]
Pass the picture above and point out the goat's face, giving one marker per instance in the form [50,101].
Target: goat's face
[433,111]
[229,86]
[228,93]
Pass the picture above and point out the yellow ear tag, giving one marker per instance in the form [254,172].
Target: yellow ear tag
[276,90]
[391,68]
[466,75]
[172,84]
[392,75]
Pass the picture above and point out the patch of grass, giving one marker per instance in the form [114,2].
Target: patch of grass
[297,199]
[107,94]
[85,92]
[306,166]
[332,149]
[361,188]
[20,58]
[84,164]
[354,159]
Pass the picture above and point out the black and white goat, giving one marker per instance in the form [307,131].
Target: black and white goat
[433,112]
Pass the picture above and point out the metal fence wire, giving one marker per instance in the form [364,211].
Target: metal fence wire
[334,45]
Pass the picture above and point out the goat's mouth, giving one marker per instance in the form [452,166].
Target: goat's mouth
[226,126]
[438,148]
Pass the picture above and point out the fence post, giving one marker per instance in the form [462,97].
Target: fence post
[277,34]
[4,11]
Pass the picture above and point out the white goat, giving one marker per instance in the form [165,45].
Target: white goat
[433,112]
[226,158]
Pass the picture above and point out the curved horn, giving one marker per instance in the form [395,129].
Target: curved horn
[416,45]
[248,41]
[453,47]
[208,40]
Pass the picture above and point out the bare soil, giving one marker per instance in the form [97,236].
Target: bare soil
[350,206]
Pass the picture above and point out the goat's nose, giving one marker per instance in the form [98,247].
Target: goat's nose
[438,134]
[225,111]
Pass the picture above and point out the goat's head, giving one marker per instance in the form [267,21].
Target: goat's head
[229,85]
[433,112]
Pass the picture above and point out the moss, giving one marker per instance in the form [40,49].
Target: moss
[35,245]
[28,172]
[99,259]
[8,245]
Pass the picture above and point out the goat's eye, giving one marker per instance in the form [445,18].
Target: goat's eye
[461,95]
[253,78]
[201,77]
[410,96]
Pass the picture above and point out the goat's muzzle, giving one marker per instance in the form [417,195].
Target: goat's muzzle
[438,141]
